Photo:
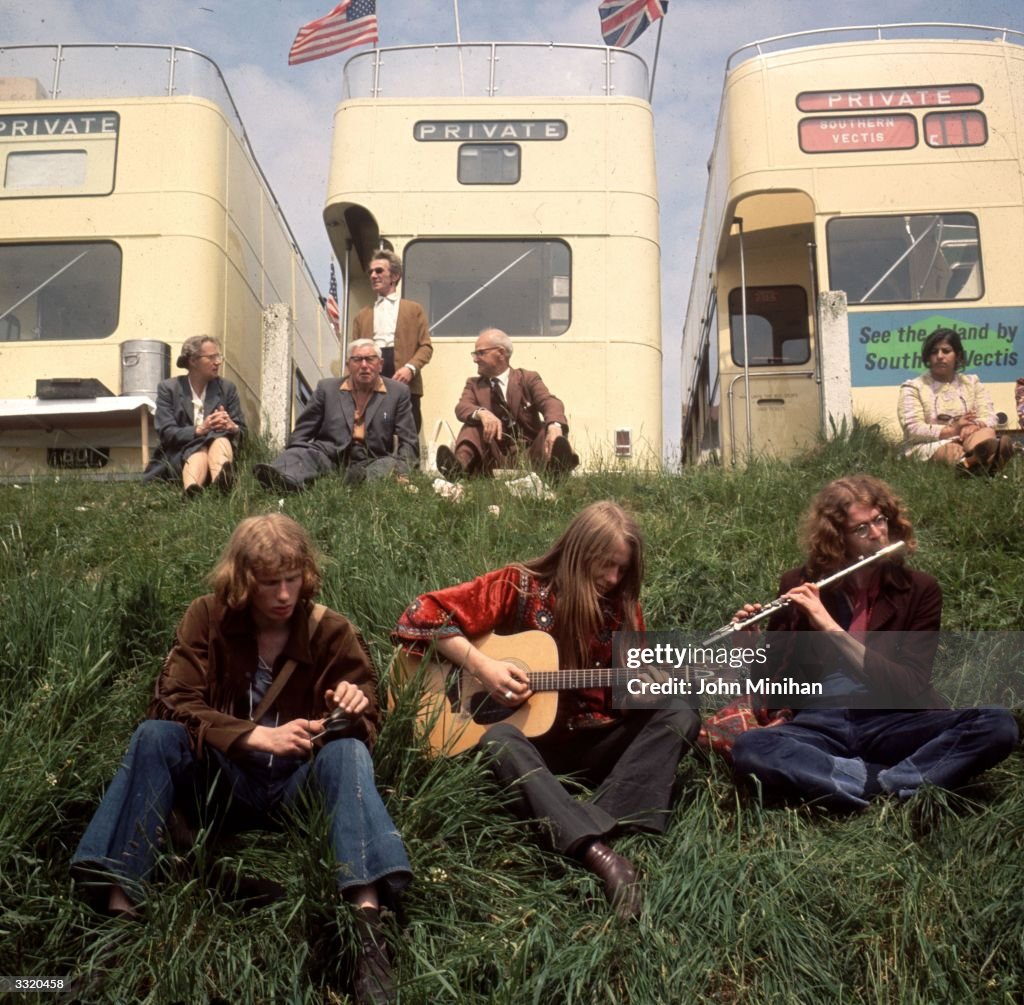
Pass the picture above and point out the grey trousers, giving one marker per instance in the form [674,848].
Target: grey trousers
[632,763]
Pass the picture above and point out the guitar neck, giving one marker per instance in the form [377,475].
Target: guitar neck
[575,680]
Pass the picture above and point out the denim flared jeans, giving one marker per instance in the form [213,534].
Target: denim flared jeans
[123,837]
[832,755]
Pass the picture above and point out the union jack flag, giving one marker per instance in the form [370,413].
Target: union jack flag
[624,21]
[352,22]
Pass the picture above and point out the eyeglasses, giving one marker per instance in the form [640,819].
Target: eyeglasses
[378,271]
[477,353]
[363,359]
[862,530]
[215,356]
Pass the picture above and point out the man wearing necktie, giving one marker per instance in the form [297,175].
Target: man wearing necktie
[398,327]
[505,411]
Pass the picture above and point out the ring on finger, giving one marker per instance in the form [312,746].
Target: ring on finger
[509,696]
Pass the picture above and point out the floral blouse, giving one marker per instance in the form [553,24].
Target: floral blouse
[926,404]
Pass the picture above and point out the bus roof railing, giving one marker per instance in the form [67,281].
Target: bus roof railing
[135,70]
[875,32]
[495,70]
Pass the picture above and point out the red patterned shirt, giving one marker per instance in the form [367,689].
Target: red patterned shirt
[508,601]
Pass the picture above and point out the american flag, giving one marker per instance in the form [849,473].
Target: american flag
[331,303]
[352,22]
[624,21]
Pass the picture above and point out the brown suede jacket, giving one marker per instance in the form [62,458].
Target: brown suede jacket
[204,682]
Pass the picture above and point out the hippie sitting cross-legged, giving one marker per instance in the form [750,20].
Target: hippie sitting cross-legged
[867,643]
[241,703]
[585,588]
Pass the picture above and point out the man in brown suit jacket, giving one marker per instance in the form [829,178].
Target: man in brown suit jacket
[505,411]
[399,327]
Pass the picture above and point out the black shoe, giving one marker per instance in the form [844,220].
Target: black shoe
[563,460]
[373,983]
[619,879]
[448,464]
[193,491]
[270,478]
[225,480]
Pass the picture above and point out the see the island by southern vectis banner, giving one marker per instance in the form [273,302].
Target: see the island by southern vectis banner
[885,346]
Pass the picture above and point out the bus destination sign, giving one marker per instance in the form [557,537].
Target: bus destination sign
[882,99]
[461,130]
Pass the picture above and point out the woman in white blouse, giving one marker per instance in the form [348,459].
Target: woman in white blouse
[947,415]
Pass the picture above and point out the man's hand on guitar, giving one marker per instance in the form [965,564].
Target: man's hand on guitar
[507,683]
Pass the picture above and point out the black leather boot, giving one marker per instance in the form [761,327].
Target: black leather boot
[373,984]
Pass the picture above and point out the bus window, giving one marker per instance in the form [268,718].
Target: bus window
[60,291]
[956,129]
[489,163]
[778,333]
[906,258]
[522,287]
[301,391]
[54,169]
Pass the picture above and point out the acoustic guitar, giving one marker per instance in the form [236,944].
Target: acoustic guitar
[456,709]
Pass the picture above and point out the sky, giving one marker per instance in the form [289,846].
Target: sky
[288,111]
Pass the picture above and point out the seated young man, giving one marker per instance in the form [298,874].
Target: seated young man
[879,725]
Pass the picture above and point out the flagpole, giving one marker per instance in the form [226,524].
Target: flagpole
[654,66]
[458,41]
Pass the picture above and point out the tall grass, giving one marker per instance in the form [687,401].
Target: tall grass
[900,904]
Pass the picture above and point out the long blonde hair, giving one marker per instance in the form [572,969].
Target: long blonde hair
[570,568]
[264,546]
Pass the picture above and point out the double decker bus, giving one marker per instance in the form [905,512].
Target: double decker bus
[134,215]
[517,182]
[883,163]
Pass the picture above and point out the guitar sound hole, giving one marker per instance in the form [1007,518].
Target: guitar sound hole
[486,712]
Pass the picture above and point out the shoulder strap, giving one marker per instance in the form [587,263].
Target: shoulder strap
[278,683]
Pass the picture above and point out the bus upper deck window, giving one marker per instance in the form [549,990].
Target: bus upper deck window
[962,128]
[489,163]
[61,291]
[777,330]
[61,169]
[906,258]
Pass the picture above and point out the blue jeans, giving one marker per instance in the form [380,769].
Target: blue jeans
[841,757]
[122,839]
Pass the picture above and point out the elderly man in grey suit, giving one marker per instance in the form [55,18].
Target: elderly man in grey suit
[352,426]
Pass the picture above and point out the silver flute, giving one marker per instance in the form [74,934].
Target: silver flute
[780,602]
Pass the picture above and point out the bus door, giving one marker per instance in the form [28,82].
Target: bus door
[770,371]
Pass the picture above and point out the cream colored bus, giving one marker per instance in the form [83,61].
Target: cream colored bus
[517,182]
[883,162]
[134,215]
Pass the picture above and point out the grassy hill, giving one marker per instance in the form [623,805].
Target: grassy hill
[901,904]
